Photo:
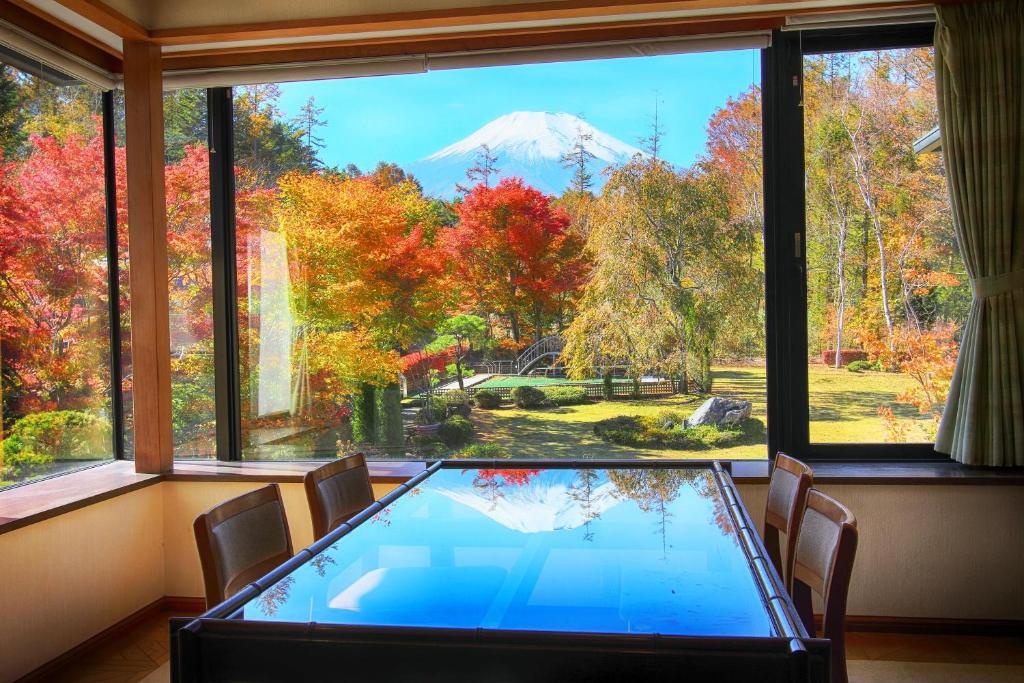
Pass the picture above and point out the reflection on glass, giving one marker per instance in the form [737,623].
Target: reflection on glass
[606,551]
[54,317]
[400,245]
[887,293]
[187,180]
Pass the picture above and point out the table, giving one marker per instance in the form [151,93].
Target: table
[642,572]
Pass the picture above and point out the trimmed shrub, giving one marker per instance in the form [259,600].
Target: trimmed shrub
[390,431]
[666,430]
[455,431]
[458,402]
[364,414]
[487,399]
[565,396]
[434,410]
[40,438]
[846,356]
[483,451]
[862,365]
[528,397]
[608,386]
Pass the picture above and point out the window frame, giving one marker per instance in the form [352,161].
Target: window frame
[789,429]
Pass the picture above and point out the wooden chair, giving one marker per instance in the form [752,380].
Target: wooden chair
[337,491]
[787,494]
[241,540]
[825,549]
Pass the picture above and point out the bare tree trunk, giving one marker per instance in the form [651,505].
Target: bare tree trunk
[864,185]
[513,321]
[840,296]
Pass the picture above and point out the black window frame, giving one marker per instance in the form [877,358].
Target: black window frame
[785,223]
[788,405]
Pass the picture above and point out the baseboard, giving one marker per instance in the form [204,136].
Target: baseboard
[932,626]
[184,605]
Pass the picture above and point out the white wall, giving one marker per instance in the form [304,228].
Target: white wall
[65,579]
[952,552]
[184,500]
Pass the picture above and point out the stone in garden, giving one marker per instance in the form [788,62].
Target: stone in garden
[720,412]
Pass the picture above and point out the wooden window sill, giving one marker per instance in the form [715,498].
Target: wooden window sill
[25,505]
[35,502]
[891,473]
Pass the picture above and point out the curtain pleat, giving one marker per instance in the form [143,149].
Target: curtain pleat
[979,59]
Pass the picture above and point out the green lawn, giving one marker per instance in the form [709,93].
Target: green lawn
[843,409]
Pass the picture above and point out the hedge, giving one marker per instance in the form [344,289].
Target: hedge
[455,431]
[487,399]
[528,397]
[565,396]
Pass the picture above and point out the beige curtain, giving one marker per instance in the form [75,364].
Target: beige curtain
[979,69]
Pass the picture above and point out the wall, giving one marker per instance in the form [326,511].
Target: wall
[947,552]
[65,579]
[184,500]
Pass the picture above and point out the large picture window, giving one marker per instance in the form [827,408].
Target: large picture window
[540,261]
[55,378]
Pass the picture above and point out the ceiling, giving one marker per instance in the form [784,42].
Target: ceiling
[196,33]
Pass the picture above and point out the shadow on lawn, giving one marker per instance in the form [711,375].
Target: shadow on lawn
[536,435]
[845,406]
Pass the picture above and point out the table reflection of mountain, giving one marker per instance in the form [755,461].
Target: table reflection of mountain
[545,503]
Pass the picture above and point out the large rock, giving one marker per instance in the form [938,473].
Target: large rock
[720,412]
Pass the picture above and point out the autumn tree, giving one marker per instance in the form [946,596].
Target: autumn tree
[512,254]
[463,332]
[668,264]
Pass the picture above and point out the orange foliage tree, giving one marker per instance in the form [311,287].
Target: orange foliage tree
[513,255]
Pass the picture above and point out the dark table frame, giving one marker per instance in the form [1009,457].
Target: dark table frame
[219,646]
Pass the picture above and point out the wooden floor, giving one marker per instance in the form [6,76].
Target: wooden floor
[874,657]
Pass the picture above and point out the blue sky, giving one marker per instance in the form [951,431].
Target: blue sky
[404,118]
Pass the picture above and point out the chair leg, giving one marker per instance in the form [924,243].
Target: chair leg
[804,606]
[838,640]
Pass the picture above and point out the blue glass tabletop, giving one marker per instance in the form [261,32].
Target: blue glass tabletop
[646,550]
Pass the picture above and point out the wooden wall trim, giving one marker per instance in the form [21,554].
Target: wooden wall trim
[364,49]
[107,17]
[147,251]
[64,37]
[175,605]
[567,10]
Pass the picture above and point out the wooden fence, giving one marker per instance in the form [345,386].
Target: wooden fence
[619,389]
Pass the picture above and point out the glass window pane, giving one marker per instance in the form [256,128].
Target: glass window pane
[887,292]
[507,230]
[54,322]
[187,179]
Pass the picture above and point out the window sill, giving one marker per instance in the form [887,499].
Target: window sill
[25,505]
[42,500]
[902,473]
[35,502]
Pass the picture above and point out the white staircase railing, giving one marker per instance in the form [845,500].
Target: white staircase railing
[548,346]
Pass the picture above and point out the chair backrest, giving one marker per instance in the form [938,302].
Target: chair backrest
[825,549]
[787,493]
[241,540]
[337,491]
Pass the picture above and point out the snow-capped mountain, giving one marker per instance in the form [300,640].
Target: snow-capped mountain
[527,144]
[541,505]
